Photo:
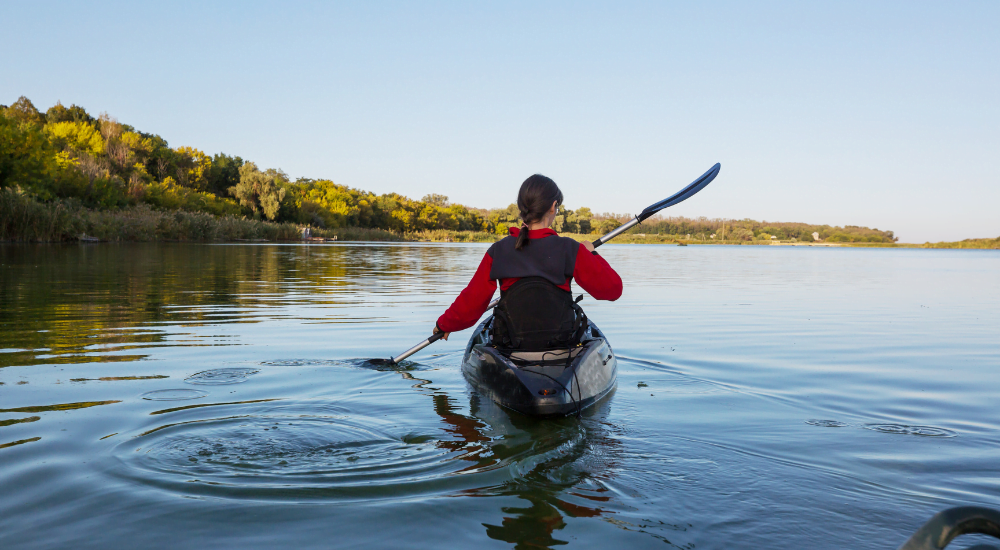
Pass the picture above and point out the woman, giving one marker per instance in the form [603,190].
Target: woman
[534,267]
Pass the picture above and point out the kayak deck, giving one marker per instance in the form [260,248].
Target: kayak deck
[548,383]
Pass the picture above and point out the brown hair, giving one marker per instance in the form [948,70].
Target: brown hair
[533,201]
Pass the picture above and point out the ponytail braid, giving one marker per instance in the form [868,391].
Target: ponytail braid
[534,199]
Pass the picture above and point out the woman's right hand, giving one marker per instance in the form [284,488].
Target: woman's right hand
[437,330]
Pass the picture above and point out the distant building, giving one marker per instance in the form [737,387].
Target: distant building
[773,237]
[713,235]
[815,236]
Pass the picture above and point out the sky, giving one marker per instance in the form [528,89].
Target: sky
[881,114]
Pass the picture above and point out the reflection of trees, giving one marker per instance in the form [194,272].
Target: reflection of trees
[77,304]
[546,486]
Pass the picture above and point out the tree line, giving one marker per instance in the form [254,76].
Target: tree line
[719,229]
[66,154]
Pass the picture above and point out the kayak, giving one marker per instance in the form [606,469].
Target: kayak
[542,383]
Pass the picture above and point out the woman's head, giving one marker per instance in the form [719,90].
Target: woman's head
[536,197]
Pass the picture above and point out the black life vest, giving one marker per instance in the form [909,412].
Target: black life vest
[534,314]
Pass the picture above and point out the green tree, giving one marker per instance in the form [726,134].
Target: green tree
[58,113]
[261,192]
[605,226]
[435,199]
[23,110]
[583,217]
[30,161]
[223,173]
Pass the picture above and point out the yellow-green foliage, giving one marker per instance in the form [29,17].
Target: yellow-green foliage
[169,195]
[78,136]
[967,243]
[327,204]
[101,163]
[193,166]
[28,160]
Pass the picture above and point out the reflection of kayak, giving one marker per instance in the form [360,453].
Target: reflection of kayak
[542,383]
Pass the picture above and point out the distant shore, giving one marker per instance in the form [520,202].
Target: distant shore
[26,220]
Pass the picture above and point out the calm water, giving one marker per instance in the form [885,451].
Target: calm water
[159,396]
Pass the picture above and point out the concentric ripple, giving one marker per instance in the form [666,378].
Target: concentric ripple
[324,452]
[220,377]
[904,429]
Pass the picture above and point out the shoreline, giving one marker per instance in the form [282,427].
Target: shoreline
[365,235]
[28,221]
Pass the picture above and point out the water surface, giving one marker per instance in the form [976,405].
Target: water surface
[166,395]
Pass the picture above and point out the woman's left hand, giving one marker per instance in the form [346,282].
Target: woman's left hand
[437,330]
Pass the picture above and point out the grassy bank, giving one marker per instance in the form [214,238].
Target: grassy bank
[446,236]
[967,243]
[23,219]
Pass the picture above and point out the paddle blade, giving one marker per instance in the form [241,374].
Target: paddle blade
[683,194]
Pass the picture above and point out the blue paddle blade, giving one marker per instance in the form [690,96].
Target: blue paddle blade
[683,194]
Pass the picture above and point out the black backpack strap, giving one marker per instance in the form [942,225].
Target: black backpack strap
[582,323]
[502,334]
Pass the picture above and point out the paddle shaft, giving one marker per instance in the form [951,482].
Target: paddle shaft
[616,231]
[434,338]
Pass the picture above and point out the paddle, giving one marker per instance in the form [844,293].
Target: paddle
[680,196]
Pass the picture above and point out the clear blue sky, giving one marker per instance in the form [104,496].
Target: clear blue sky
[885,114]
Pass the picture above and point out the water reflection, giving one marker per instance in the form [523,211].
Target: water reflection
[551,460]
[59,407]
[575,468]
[835,403]
[19,442]
[66,304]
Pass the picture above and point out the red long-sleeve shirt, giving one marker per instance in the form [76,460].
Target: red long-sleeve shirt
[592,273]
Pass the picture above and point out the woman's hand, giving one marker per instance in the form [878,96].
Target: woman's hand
[589,245]
[437,330]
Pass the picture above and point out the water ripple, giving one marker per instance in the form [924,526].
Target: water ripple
[312,450]
[370,364]
[220,377]
[174,395]
[827,423]
[904,429]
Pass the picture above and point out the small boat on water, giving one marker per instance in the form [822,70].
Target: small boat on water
[542,383]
